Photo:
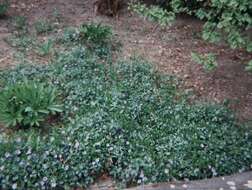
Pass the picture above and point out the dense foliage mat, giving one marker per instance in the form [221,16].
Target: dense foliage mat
[125,120]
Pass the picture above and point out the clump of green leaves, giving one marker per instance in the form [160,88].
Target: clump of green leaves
[43,26]
[154,13]
[19,23]
[98,38]
[46,47]
[3,7]
[95,33]
[27,104]
[249,66]
[208,61]
[69,35]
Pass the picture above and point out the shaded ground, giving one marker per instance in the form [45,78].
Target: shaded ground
[169,49]
[235,182]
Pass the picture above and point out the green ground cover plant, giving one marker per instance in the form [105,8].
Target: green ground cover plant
[23,43]
[154,13]
[46,48]
[43,26]
[20,24]
[125,120]
[208,61]
[96,37]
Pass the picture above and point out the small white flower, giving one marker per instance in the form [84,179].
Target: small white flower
[66,167]
[45,179]
[17,152]
[172,186]
[45,166]
[1,168]
[29,151]
[241,170]
[141,174]
[184,186]
[42,183]
[53,184]
[166,171]
[14,186]
[214,172]
[52,139]
[22,163]
[231,183]
[77,144]
[7,155]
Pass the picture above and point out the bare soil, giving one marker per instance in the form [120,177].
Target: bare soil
[169,49]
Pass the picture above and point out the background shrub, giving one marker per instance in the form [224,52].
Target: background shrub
[230,21]
[27,104]
[154,13]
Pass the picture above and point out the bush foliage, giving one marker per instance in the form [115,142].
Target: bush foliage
[228,20]
[231,17]
[125,120]
[208,61]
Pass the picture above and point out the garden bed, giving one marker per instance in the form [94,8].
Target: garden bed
[116,116]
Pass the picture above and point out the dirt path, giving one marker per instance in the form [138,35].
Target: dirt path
[170,49]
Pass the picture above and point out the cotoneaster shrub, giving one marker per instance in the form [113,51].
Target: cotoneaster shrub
[124,120]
